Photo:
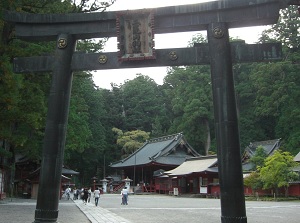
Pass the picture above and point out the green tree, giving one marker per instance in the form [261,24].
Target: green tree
[23,98]
[277,171]
[189,91]
[267,92]
[142,103]
[258,159]
[253,181]
[191,105]
[286,30]
[113,117]
[277,84]
[130,141]
[250,125]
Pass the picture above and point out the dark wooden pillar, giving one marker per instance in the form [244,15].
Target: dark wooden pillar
[227,133]
[55,132]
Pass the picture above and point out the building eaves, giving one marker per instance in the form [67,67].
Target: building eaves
[297,157]
[194,165]
[148,153]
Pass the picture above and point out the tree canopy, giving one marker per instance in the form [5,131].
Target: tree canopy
[258,159]
[277,171]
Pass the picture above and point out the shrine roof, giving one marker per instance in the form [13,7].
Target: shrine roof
[195,165]
[297,157]
[65,171]
[166,150]
[269,146]
[69,171]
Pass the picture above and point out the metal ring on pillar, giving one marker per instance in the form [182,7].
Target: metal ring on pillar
[173,56]
[102,59]
[62,43]
[218,32]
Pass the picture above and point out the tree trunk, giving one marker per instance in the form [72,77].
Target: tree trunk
[276,193]
[286,191]
[208,139]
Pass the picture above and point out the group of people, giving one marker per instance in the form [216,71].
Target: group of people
[124,194]
[85,194]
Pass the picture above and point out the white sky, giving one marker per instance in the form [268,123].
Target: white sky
[103,78]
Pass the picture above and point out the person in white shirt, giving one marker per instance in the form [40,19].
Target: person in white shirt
[97,196]
[124,194]
[90,194]
[68,191]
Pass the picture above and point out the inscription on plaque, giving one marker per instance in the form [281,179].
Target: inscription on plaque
[135,35]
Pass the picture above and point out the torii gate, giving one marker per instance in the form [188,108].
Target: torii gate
[135,28]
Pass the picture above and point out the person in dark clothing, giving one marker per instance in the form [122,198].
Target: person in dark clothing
[85,195]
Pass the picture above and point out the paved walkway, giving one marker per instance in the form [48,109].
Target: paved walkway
[22,211]
[18,210]
[148,209]
[98,214]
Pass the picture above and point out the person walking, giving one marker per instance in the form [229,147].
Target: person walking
[124,194]
[75,194]
[97,196]
[85,195]
[68,192]
[81,193]
[90,194]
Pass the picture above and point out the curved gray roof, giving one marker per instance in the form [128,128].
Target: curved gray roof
[196,165]
[269,146]
[167,150]
[297,157]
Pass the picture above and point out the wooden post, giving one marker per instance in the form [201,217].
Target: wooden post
[229,160]
[55,132]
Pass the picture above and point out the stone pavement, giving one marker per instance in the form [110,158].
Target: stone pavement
[149,209]
[22,211]
[18,210]
[156,208]
[98,214]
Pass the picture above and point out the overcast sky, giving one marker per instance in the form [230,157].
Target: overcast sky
[103,78]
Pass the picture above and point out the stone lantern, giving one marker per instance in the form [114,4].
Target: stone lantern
[104,185]
[127,183]
[94,179]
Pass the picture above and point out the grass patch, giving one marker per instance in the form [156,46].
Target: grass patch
[266,198]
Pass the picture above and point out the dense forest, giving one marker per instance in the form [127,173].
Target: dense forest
[100,120]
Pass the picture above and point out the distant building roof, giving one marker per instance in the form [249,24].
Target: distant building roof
[297,157]
[269,146]
[66,171]
[195,165]
[296,168]
[166,150]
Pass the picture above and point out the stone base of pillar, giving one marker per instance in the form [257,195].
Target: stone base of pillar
[49,216]
[225,219]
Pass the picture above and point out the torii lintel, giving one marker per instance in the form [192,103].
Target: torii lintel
[184,18]
[197,55]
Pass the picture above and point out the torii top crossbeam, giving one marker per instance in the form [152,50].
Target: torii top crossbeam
[194,17]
